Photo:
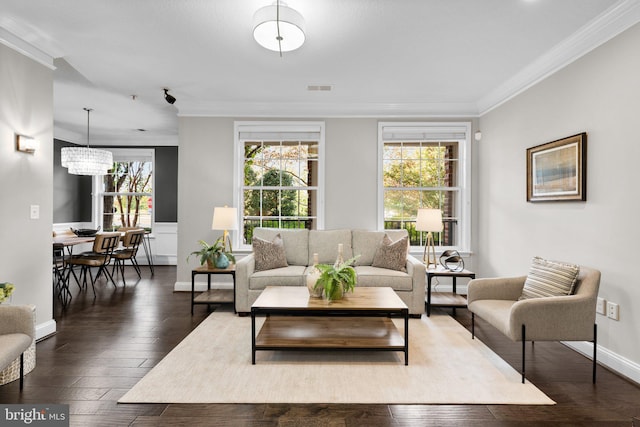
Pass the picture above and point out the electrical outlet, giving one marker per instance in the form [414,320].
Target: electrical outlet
[34,212]
[601,305]
[613,311]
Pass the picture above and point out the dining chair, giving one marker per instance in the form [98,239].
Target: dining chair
[130,244]
[100,257]
[60,274]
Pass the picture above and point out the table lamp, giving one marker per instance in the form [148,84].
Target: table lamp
[429,220]
[225,219]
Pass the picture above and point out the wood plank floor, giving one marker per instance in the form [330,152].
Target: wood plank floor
[104,347]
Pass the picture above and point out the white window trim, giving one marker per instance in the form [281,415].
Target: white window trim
[96,185]
[282,127]
[464,171]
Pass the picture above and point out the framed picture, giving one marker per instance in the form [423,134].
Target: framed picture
[557,170]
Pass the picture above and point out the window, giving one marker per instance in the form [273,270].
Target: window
[279,171]
[425,165]
[126,193]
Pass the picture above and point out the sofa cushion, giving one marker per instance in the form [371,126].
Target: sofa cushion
[269,254]
[292,275]
[325,244]
[549,278]
[378,277]
[392,255]
[365,244]
[296,242]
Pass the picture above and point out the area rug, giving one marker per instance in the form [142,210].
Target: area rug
[213,365]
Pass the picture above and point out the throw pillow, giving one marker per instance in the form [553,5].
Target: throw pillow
[269,255]
[549,278]
[392,255]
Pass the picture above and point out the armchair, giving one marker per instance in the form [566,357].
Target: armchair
[17,332]
[555,318]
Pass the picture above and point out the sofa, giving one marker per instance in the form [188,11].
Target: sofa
[300,246]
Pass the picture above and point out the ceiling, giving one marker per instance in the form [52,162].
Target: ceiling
[382,58]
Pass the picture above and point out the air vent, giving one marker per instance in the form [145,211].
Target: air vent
[319,88]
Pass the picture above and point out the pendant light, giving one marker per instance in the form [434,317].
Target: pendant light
[279,28]
[85,160]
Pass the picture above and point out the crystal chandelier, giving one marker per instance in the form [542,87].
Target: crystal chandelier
[85,160]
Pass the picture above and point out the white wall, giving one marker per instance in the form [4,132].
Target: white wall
[598,94]
[26,106]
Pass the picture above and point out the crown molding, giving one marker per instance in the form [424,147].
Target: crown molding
[612,22]
[328,110]
[14,42]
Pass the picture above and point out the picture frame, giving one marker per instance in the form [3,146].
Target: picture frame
[557,170]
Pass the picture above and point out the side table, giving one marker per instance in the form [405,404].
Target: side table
[213,296]
[446,299]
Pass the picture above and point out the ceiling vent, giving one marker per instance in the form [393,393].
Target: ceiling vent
[319,88]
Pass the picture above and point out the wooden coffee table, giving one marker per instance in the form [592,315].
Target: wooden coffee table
[359,321]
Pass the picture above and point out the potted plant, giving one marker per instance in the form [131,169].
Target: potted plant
[213,255]
[6,289]
[337,279]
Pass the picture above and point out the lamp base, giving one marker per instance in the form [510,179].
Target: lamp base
[429,255]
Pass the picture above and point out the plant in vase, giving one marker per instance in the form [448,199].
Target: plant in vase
[337,279]
[213,255]
[6,289]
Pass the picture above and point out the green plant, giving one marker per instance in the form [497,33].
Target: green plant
[337,279]
[210,253]
[6,289]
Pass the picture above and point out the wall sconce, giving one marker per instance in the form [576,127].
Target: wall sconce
[26,144]
[478,135]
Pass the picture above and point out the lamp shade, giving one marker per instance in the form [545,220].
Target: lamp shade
[290,23]
[225,218]
[429,220]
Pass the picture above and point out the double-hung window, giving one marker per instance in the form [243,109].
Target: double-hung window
[279,170]
[425,165]
[126,192]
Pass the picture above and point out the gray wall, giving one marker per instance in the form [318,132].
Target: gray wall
[598,94]
[72,193]
[26,106]
[206,176]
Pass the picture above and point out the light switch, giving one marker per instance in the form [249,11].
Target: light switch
[35,211]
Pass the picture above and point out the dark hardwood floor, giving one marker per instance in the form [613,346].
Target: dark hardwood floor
[104,347]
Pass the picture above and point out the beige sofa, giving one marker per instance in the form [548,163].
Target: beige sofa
[300,245]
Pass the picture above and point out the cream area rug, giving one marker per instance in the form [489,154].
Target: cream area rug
[213,365]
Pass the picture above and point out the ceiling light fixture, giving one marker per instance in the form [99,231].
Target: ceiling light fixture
[279,28]
[85,160]
[169,98]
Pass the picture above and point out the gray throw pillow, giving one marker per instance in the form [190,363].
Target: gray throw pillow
[392,255]
[269,255]
[549,278]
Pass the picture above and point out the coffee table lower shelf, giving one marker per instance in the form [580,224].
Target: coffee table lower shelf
[329,333]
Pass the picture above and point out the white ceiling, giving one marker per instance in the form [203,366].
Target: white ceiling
[384,58]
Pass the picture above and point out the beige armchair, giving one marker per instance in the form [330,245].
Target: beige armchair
[17,332]
[557,318]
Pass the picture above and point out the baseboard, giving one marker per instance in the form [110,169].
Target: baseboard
[45,329]
[609,359]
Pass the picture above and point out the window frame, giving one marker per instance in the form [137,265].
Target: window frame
[278,130]
[121,154]
[434,131]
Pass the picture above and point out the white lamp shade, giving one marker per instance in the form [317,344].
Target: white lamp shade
[225,218]
[265,28]
[429,220]
[26,144]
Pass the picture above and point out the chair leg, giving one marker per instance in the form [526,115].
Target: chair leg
[473,326]
[134,262]
[523,345]
[21,371]
[595,349]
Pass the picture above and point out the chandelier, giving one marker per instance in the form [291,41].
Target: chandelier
[85,160]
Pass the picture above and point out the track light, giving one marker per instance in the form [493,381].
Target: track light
[169,98]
